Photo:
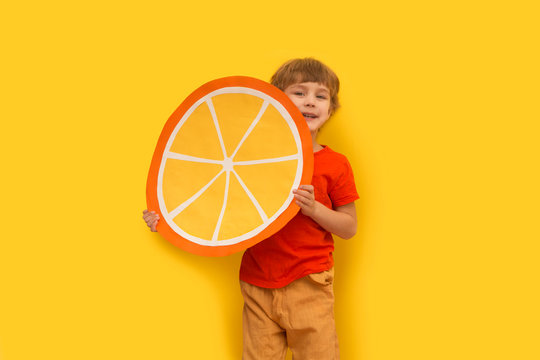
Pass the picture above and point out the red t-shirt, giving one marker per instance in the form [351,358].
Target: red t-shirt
[302,247]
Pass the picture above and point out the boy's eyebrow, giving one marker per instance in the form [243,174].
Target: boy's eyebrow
[324,90]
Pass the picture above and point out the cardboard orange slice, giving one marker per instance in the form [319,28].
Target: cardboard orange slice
[225,165]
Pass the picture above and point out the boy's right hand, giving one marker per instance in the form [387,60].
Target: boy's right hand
[151,219]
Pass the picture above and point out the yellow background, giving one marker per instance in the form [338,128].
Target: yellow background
[439,120]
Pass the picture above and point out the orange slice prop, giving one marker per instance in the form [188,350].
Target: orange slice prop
[225,165]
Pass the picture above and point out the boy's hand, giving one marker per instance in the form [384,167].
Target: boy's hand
[340,221]
[151,219]
[305,198]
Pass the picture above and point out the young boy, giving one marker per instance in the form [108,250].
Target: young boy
[287,279]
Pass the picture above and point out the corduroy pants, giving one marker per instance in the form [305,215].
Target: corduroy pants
[299,316]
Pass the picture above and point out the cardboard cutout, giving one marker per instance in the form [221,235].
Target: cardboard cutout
[225,165]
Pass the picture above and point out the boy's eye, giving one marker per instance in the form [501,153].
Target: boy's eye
[299,93]
[321,97]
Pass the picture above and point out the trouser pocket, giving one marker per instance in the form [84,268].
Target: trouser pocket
[323,278]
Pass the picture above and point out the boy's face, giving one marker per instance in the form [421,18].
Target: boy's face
[313,101]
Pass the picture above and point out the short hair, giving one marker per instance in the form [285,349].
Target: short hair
[308,70]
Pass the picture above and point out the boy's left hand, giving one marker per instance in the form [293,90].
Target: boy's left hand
[340,221]
[305,198]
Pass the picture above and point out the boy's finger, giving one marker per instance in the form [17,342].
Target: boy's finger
[309,188]
[304,202]
[150,216]
[303,193]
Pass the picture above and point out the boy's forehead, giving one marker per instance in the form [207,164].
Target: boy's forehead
[311,84]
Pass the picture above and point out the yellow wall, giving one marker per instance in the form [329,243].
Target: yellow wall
[440,121]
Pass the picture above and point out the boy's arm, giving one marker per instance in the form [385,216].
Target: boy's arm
[341,221]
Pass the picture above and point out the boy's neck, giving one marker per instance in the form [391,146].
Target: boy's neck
[316,145]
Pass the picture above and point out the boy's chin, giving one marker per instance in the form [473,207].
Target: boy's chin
[313,127]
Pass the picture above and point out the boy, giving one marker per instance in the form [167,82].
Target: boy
[287,279]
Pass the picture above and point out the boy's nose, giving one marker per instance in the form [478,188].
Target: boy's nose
[309,101]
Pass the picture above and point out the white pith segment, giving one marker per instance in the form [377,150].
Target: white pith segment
[225,196]
[253,123]
[216,124]
[195,196]
[263,215]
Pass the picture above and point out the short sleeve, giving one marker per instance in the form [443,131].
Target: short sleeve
[343,189]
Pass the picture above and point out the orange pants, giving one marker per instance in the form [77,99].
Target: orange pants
[299,315]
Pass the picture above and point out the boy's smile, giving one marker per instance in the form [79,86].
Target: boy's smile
[313,101]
